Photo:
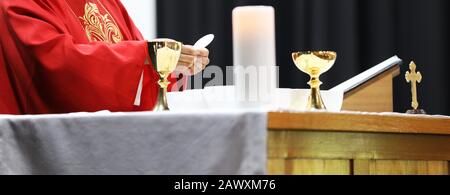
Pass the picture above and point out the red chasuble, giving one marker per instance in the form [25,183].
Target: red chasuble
[60,56]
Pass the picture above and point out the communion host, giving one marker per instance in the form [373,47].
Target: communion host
[61,56]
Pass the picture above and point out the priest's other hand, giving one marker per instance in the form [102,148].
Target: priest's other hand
[192,60]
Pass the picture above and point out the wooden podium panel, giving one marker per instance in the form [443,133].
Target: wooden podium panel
[358,143]
[372,90]
[375,95]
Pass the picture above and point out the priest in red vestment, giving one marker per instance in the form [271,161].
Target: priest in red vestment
[60,56]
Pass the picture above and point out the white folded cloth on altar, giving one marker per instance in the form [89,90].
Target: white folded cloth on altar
[224,98]
[165,143]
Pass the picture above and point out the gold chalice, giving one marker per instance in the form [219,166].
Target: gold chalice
[164,54]
[315,63]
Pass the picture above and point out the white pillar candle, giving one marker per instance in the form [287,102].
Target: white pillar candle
[254,54]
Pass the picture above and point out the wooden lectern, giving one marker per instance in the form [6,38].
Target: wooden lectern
[372,90]
[356,143]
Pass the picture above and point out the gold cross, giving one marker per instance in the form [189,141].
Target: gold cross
[413,77]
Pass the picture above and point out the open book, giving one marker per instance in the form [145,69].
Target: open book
[368,75]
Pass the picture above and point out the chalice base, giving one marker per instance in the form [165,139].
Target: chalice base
[315,101]
[161,102]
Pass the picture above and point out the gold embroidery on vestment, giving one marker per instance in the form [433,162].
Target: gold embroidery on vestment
[100,27]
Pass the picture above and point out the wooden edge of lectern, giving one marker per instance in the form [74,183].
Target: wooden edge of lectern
[359,122]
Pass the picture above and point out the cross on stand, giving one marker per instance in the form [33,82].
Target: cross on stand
[414,77]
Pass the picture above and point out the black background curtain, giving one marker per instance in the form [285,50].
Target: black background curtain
[364,33]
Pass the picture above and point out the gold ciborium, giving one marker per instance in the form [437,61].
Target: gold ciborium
[314,63]
[164,54]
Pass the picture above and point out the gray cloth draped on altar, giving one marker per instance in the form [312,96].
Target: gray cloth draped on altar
[135,143]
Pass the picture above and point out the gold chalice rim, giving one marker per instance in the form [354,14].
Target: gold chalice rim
[325,55]
[166,41]
[163,40]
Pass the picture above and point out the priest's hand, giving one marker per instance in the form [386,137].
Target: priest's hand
[192,60]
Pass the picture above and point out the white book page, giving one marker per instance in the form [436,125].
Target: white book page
[367,75]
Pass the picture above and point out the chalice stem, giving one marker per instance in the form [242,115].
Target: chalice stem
[315,101]
[161,103]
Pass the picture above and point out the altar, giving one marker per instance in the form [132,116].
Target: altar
[147,143]
[225,143]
